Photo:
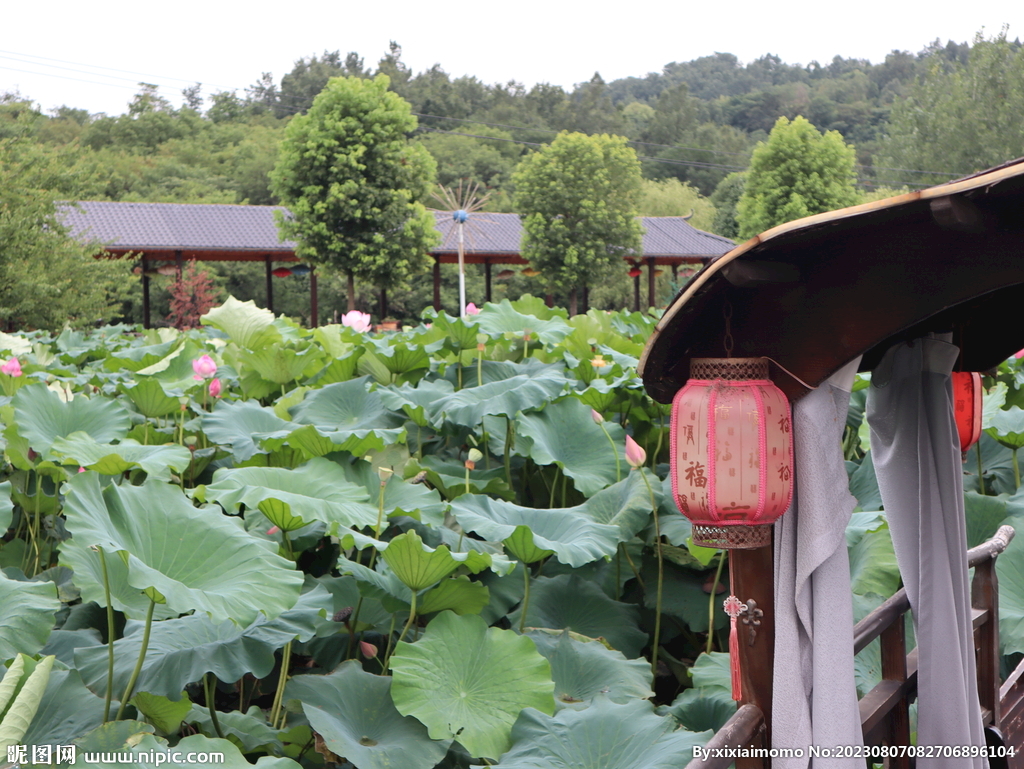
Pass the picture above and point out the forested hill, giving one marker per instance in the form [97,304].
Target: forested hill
[946,110]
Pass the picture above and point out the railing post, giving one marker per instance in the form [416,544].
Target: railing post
[752,572]
[894,668]
[985,595]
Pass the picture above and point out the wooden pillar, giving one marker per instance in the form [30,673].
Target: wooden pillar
[314,315]
[179,262]
[985,595]
[145,293]
[270,283]
[636,293]
[652,292]
[437,283]
[383,304]
[487,280]
[586,299]
[752,574]
[675,271]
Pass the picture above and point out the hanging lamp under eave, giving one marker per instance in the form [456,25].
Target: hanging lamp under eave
[967,407]
[731,452]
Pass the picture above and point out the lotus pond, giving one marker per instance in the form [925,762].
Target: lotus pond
[428,548]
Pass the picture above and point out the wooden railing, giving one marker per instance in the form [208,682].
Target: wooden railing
[885,710]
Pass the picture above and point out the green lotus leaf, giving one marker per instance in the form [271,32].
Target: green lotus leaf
[224,572]
[138,358]
[527,391]
[112,736]
[522,544]
[42,417]
[626,504]
[352,418]
[6,507]
[85,562]
[402,358]
[701,709]
[449,477]
[583,671]
[165,714]
[150,399]
[316,491]
[175,371]
[242,426]
[282,363]
[565,434]
[498,319]
[354,714]
[380,584]
[460,332]
[114,459]
[460,594]
[575,538]
[417,566]
[604,736]
[984,515]
[182,650]
[27,612]
[1010,572]
[864,485]
[14,344]
[401,497]
[1008,427]
[417,402]
[469,682]
[683,595]
[148,747]
[711,671]
[250,731]
[569,602]
[63,643]
[873,567]
[248,326]
[67,711]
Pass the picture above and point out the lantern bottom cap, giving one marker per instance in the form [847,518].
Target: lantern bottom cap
[741,537]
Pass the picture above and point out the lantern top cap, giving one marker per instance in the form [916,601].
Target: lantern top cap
[736,369]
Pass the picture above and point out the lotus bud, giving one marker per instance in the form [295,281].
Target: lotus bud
[384,473]
[635,455]
[11,367]
[475,455]
[596,416]
[598,361]
[472,309]
[215,387]
[81,469]
[191,441]
[368,649]
[273,530]
[357,321]
[204,368]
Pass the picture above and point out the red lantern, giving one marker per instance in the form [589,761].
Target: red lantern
[732,452]
[967,407]
[635,272]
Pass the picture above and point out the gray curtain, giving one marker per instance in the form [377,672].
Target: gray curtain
[916,453]
[814,699]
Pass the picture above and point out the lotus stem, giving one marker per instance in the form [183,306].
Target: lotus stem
[526,597]
[287,544]
[208,688]
[408,624]
[711,601]
[629,560]
[282,679]
[110,637]
[661,578]
[138,665]
[981,473]
[1016,469]
[657,446]
[615,452]
[351,623]
[554,488]
[508,451]
[380,521]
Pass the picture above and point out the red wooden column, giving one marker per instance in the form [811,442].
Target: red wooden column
[270,283]
[652,293]
[314,315]
[487,279]
[145,293]
[753,578]
[437,283]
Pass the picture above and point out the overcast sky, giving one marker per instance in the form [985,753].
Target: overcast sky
[91,55]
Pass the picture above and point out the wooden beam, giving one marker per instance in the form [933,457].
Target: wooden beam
[145,293]
[751,573]
[652,292]
[270,283]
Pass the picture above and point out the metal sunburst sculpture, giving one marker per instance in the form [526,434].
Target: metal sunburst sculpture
[462,202]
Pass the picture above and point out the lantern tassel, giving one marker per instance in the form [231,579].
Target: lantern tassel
[734,607]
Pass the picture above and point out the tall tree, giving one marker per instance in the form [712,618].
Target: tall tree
[578,198]
[352,182]
[796,173]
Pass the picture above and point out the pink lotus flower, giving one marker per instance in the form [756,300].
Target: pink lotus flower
[1019,354]
[215,387]
[472,309]
[368,649]
[596,416]
[11,367]
[635,455]
[273,530]
[205,367]
[357,321]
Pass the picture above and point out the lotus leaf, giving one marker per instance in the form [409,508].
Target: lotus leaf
[224,572]
[354,714]
[459,594]
[150,399]
[469,682]
[27,612]
[498,319]
[351,417]
[165,714]
[114,459]
[249,731]
[242,426]
[604,736]
[701,709]
[152,752]
[42,417]
[248,326]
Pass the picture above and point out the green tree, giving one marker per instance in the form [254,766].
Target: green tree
[671,197]
[796,173]
[353,183]
[47,278]
[578,198]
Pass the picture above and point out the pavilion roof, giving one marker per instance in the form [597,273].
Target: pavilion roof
[217,231]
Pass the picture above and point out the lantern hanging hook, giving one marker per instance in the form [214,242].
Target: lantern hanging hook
[728,341]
